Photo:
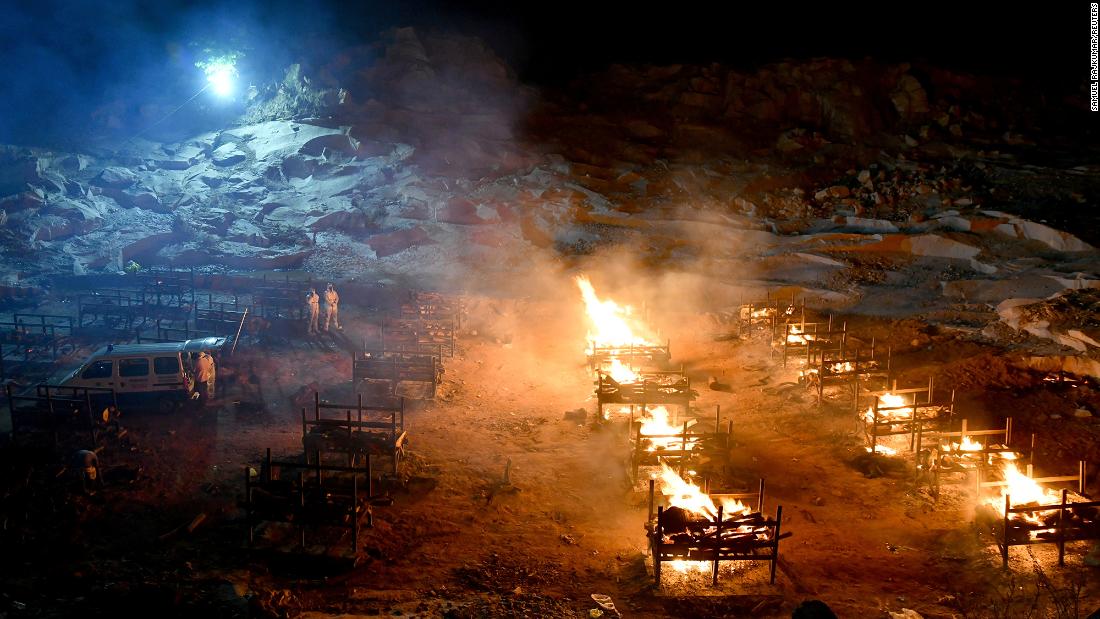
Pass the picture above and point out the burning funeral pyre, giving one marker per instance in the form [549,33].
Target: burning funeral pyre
[660,441]
[627,358]
[696,531]
[619,341]
[1033,512]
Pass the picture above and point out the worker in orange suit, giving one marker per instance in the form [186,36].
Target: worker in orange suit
[332,308]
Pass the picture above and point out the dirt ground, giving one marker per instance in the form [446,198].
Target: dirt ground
[456,542]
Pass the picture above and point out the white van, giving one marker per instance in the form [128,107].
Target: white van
[158,373]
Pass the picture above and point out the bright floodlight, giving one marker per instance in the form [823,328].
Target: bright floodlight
[221,77]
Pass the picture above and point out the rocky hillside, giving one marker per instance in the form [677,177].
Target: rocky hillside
[889,189]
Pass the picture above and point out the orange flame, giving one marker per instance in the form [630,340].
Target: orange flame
[620,373]
[688,496]
[610,324]
[797,336]
[897,406]
[1022,490]
[967,444]
[662,433]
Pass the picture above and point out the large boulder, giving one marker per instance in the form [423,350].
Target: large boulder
[115,178]
[228,154]
[1051,237]
[27,200]
[348,219]
[145,200]
[397,241]
[937,246]
[909,98]
[276,140]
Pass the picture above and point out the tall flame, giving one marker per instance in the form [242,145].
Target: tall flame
[610,324]
[686,495]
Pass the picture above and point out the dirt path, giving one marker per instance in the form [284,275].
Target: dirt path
[460,542]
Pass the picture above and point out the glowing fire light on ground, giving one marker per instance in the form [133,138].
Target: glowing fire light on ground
[797,336]
[760,313]
[895,406]
[688,496]
[657,428]
[610,324]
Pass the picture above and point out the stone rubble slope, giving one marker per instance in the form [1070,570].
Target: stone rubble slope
[846,181]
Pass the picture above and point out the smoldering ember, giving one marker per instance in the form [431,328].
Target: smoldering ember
[346,309]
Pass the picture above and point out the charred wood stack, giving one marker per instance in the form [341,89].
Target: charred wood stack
[678,534]
[677,448]
[667,388]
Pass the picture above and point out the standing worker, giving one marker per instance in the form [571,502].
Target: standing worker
[332,307]
[205,374]
[313,304]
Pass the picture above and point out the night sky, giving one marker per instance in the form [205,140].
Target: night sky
[65,59]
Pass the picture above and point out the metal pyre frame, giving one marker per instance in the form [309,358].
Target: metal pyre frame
[655,356]
[273,301]
[750,537]
[810,339]
[394,368]
[645,449]
[319,496]
[433,306]
[122,312]
[33,340]
[1065,521]
[918,412]
[953,457]
[766,316]
[50,408]
[847,367]
[671,388]
[415,335]
[375,430]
